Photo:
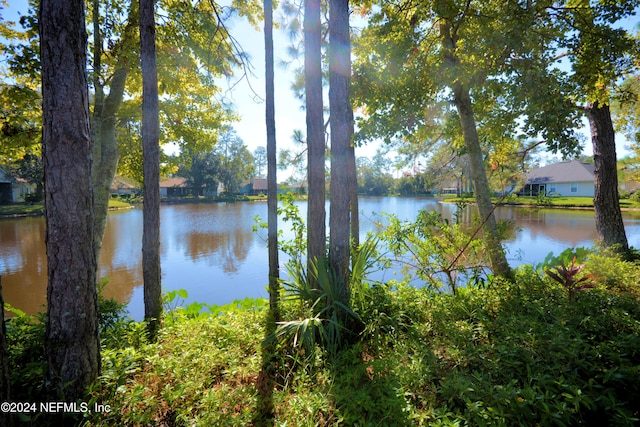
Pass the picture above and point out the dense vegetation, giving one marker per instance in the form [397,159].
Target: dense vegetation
[520,353]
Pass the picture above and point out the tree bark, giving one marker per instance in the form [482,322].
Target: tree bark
[151,158]
[6,419]
[105,117]
[266,383]
[609,224]
[353,197]
[316,215]
[272,183]
[341,122]
[72,343]
[497,258]
[464,106]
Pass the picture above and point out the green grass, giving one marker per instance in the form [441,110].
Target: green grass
[555,201]
[21,209]
[38,208]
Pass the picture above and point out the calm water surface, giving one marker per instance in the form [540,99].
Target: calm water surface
[211,251]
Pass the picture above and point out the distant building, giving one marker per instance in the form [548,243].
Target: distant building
[254,187]
[121,186]
[572,178]
[301,187]
[179,187]
[12,189]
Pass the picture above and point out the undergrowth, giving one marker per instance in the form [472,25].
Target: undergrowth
[509,354]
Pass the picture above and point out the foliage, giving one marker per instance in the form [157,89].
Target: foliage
[566,276]
[515,353]
[328,319]
[236,162]
[436,250]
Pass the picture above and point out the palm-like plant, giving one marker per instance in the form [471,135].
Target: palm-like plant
[566,276]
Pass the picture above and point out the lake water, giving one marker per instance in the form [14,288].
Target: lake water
[211,251]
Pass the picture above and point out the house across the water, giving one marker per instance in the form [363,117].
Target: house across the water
[12,189]
[572,178]
[254,187]
[179,187]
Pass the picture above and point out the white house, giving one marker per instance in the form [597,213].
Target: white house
[572,178]
[13,189]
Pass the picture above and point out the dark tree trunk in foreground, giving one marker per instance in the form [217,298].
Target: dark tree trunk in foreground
[151,155]
[266,379]
[272,182]
[316,228]
[341,121]
[609,225]
[6,418]
[72,344]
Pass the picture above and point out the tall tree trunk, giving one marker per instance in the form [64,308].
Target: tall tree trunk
[151,158]
[341,122]
[272,182]
[497,258]
[353,197]
[72,343]
[104,119]
[463,103]
[6,419]
[609,224]
[316,228]
[266,379]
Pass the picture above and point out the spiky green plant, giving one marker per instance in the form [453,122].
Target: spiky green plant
[567,277]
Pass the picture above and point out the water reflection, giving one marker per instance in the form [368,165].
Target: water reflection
[211,251]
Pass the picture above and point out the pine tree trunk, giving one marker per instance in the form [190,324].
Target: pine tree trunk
[316,228]
[341,122]
[609,224]
[72,343]
[272,183]
[151,158]
[6,418]
[266,383]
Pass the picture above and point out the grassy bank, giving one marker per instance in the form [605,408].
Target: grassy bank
[511,354]
[551,201]
[35,209]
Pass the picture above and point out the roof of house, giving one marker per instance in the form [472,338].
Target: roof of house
[174,182]
[573,171]
[258,184]
[122,183]
[301,184]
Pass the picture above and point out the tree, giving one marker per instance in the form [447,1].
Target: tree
[266,385]
[316,215]
[5,391]
[260,160]
[601,54]
[72,343]
[236,162]
[341,122]
[447,51]
[272,182]
[201,169]
[189,38]
[151,153]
